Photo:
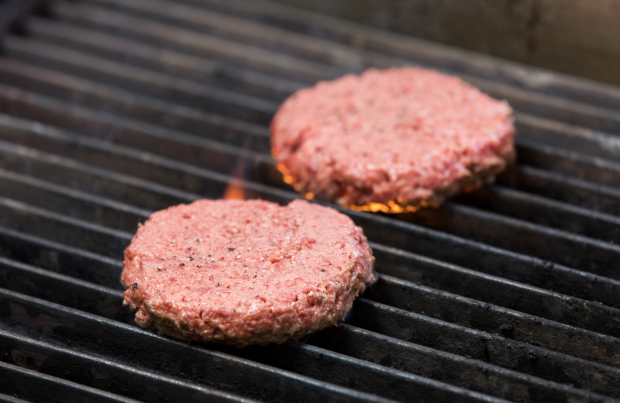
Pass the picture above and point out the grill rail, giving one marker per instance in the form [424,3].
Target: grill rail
[114,109]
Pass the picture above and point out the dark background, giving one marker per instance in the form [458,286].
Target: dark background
[580,37]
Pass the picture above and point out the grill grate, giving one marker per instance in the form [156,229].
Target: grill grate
[115,108]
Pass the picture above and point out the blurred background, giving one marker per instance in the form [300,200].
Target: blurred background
[580,37]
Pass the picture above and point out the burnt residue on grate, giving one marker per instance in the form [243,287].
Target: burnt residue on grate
[112,109]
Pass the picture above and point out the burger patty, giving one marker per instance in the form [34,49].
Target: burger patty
[245,272]
[391,140]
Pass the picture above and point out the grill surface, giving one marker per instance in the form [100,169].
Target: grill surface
[115,108]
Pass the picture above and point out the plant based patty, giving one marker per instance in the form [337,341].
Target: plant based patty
[245,272]
[391,140]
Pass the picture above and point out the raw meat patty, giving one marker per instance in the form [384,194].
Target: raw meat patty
[391,140]
[245,272]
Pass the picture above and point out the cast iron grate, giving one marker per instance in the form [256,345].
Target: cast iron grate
[115,108]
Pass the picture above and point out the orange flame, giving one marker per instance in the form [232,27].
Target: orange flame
[391,207]
[235,189]
[288,178]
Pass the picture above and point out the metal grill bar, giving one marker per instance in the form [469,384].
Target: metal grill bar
[58,52]
[184,154]
[213,71]
[558,135]
[263,146]
[559,187]
[438,273]
[241,30]
[362,37]
[9,399]
[99,69]
[558,246]
[36,282]
[42,194]
[464,299]
[563,110]
[59,258]
[89,94]
[514,355]
[440,365]
[550,213]
[103,374]
[194,43]
[341,369]
[273,174]
[119,101]
[103,70]
[40,387]
[137,79]
[62,289]
[570,163]
[595,318]
[508,293]
[535,320]
[84,293]
[487,317]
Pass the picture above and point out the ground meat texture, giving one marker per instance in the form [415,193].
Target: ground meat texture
[245,272]
[391,140]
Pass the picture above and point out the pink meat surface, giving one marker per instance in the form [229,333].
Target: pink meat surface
[245,272]
[399,137]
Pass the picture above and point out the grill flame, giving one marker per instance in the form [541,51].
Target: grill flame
[391,207]
[235,189]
